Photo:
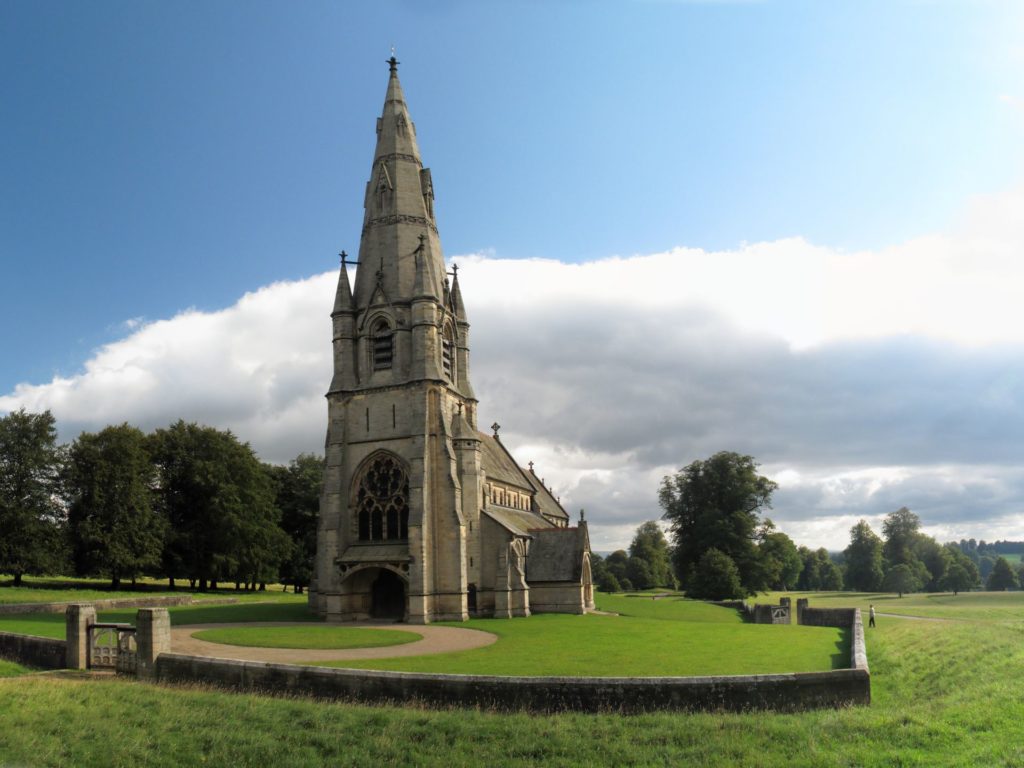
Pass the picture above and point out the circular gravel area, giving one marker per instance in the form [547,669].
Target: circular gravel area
[436,639]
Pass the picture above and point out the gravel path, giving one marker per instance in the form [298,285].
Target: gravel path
[435,640]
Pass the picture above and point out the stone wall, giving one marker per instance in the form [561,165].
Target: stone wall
[41,652]
[126,602]
[827,617]
[785,692]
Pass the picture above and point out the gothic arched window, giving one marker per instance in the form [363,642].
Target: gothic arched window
[382,500]
[382,345]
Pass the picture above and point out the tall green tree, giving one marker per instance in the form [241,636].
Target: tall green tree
[31,518]
[297,497]
[715,504]
[650,546]
[781,561]
[219,505]
[715,577]
[109,482]
[957,579]
[864,571]
[1002,576]
[900,529]
[901,578]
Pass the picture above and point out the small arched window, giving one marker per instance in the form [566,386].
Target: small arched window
[382,500]
[448,353]
[382,342]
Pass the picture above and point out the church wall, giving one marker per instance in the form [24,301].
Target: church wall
[556,597]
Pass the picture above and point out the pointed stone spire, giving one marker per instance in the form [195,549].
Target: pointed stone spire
[343,296]
[398,208]
[460,308]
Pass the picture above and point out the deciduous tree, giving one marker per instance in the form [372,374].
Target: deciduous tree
[864,570]
[31,518]
[714,504]
[110,483]
[715,578]
[297,497]
[218,501]
[901,578]
[650,545]
[1002,576]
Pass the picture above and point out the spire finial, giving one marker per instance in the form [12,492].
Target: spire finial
[495,426]
[393,62]
[530,466]
[582,518]
[344,258]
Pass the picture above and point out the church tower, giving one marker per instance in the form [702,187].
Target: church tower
[403,483]
[422,517]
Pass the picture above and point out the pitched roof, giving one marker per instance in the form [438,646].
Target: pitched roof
[517,521]
[556,554]
[499,464]
[546,503]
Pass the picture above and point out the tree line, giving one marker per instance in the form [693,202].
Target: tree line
[186,502]
[723,547]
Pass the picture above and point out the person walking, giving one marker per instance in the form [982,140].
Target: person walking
[871,615]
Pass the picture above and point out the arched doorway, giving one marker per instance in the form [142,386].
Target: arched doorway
[387,596]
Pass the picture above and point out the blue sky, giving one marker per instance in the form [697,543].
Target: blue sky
[157,158]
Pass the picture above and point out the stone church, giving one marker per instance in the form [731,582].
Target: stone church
[422,516]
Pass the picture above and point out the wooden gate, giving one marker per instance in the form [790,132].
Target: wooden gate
[112,646]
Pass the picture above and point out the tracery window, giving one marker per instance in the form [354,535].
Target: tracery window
[383,346]
[382,501]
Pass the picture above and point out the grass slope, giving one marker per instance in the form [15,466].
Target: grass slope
[945,694]
[318,636]
[973,606]
[11,668]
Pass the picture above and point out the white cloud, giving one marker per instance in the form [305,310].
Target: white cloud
[863,381]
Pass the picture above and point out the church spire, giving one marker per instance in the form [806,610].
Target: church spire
[343,296]
[399,208]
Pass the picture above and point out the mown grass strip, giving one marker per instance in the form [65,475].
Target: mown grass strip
[314,637]
[611,646]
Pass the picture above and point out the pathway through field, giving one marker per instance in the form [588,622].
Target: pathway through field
[435,640]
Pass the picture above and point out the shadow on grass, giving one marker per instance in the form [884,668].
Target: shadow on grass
[841,658]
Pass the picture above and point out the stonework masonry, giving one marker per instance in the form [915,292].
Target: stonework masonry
[423,517]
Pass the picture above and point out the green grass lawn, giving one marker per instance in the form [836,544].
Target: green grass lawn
[690,639]
[945,694]
[973,606]
[52,624]
[317,636]
[38,589]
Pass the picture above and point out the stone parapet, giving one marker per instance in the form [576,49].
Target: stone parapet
[126,602]
[782,692]
[39,652]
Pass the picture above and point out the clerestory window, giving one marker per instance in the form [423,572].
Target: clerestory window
[382,500]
